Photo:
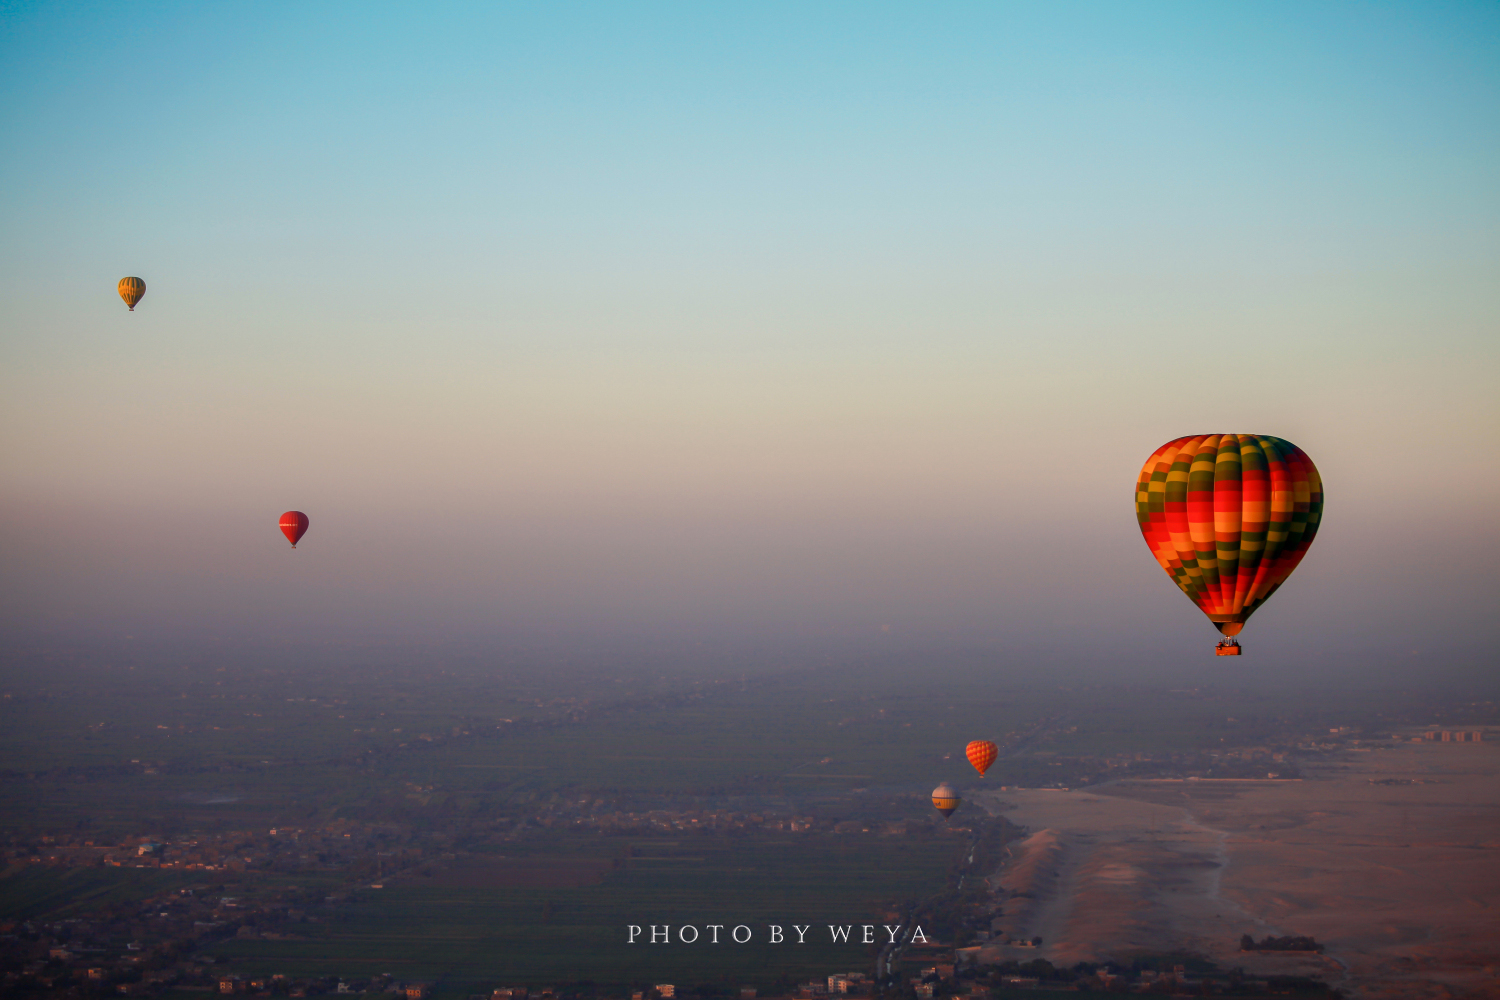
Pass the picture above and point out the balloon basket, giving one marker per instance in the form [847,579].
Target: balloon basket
[1227,648]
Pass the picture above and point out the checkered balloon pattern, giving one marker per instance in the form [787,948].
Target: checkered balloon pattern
[981,754]
[1229,516]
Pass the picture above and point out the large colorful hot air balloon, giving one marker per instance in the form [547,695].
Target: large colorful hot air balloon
[981,754]
[1229,516]
[294,526]
[131,290]
[945,799]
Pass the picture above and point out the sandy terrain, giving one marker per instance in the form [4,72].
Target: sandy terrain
[1401,882]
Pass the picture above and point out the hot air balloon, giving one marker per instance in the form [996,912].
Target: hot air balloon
[981,754]
[294,526]
[945,799]
[131,290]
[1229,516]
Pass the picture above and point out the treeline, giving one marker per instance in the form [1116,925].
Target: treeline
[1269,943]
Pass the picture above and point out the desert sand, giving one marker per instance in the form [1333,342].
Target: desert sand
[1400,881]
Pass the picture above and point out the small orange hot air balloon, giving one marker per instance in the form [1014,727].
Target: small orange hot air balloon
[131,290]
[945,799]
[294,526]
[981,754]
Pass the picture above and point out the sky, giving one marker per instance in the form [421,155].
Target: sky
[744,330]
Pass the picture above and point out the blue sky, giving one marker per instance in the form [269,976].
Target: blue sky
[739,324]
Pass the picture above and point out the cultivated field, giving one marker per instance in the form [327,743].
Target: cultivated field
[519,824]
[479,923]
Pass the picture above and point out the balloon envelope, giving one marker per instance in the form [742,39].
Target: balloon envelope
[131,290]
[945,799]
[1229,516]
[294,526]
[981,754]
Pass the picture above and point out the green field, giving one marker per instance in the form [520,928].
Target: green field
[490,936]
[57,893]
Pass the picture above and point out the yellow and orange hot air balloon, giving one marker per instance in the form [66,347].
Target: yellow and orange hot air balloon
[981,754]
[131,290]
[945,799]
[1229,516]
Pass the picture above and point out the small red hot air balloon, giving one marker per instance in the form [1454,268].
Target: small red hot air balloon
[981,754]
[294,526]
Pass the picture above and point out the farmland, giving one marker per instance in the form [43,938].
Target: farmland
[472,824]
[435,929]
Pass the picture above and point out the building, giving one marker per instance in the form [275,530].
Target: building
[845,983]
[666,991]
[1454,735]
